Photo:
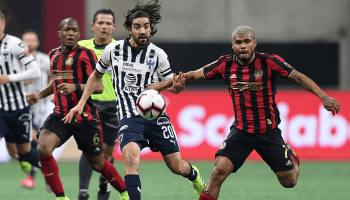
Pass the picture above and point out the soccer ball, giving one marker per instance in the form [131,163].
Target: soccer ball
[150,104]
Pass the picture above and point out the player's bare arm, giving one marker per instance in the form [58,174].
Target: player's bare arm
[35,98]
[92,83]
[66,88]
[305,82]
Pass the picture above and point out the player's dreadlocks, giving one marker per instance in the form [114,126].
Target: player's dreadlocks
[151,10]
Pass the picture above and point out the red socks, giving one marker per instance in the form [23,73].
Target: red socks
[50,170]
[206,197]
[113,177]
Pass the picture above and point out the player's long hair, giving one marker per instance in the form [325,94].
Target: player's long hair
[151,10]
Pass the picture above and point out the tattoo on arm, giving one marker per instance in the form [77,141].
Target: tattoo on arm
[306,83]
[286,177]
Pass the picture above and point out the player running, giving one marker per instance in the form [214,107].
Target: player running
[251,79]
[135,63]
[71,64]
[16,65]
[103,25]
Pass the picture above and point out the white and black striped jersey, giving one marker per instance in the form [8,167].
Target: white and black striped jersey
[132,70]
[14,59]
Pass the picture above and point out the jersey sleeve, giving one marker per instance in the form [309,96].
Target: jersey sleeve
[164,70]
[105,60]
[213,70]
[280,66]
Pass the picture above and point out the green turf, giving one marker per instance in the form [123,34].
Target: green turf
[321,181]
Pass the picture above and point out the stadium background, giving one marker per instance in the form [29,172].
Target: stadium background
[311,35]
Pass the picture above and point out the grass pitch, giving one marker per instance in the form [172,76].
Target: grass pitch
[321,181]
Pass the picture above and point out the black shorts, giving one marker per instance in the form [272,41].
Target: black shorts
[269,145]
[109,120]
[16,126]
[87,134]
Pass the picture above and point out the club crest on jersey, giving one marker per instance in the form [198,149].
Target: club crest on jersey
[130,83]
[150,64]
[69,61]
[258,73]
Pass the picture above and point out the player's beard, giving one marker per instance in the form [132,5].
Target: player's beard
[244,59]
[138,42]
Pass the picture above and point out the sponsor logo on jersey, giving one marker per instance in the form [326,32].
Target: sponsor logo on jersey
[128,64]
[247,86]
[130,83]
[64,74]
[258,73]
[162,121]
[233,76]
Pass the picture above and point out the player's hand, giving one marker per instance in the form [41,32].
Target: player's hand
[78,110]
[4,79]
[65,88]
[331,104]
[32,99]
[178,83]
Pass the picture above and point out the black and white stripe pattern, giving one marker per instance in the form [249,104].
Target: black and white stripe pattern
[132,71]
[13,59]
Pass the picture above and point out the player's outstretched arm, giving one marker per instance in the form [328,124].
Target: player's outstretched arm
[329,103]
[35,98]
[93,82]
[67,88]
[179,81]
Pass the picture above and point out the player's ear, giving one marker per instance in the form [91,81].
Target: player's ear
[92,26]
[59,34]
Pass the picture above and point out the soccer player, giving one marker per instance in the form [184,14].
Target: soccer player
[251,81]
[71,66]
[30,38]
[16,65]
[135,63]
[103,25]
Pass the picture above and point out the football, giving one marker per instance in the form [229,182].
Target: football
[150,104]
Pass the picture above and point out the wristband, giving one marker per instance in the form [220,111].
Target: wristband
[77,87]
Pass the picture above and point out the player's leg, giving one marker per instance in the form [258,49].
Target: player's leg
[109,121]
[53,134]
[288,179]
[85,174]
[88,135]
[229,158]
[185,169]
[272,148]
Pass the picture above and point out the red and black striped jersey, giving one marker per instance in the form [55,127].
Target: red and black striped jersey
[252,89]
[73,67]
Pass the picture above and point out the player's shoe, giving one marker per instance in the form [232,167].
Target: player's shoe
[295,157]
[198,184]
[25,166]
[124,195]
[83,196]
[28,182]
[62,198]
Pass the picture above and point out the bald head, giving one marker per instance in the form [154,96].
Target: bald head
[243,30]
[69,20]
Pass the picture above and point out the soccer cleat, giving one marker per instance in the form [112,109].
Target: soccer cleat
[62,198]
[83,196]
[198,184]
[295,157]
[28,182]
[124,195]
[25,166]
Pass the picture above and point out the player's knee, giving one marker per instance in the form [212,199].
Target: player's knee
[220,171]
[44,149]
[289,184]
